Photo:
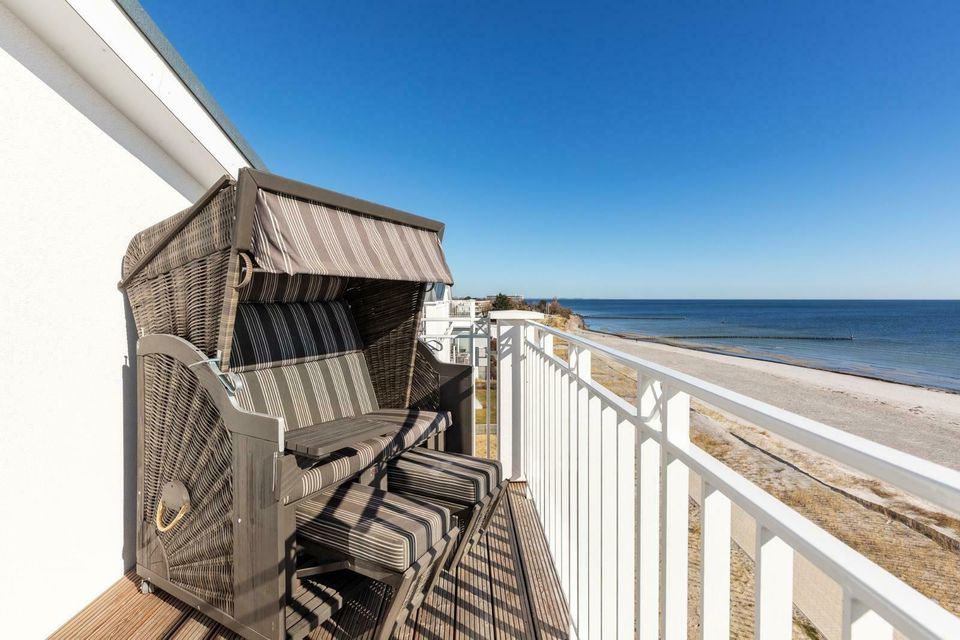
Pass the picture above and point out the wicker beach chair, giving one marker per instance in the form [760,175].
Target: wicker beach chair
[279,374]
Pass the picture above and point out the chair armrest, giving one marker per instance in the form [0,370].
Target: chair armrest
[235,419]
[455,394]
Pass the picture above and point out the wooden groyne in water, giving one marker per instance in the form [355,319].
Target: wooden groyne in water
[739,337]
[635,317]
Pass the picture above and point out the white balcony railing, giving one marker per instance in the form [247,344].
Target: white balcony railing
[611,484]
[463,308]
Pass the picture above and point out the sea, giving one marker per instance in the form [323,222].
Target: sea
[914,342]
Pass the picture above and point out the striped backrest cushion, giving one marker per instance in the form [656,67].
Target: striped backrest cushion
[310,392]
[297,351]
[301,287]
[276,334]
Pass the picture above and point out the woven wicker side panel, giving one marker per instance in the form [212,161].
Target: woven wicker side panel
[210,231]
[186,301]
[425,387]
[184,439]
[386,313]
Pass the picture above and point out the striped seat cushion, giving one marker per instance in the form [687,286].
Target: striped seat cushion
[312,477]
[382,527]
[268,335]
[448,476]
[311,392]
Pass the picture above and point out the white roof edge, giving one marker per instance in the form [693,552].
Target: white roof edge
[100,41]
[165,48]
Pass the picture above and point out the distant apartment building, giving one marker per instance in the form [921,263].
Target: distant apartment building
[453,328]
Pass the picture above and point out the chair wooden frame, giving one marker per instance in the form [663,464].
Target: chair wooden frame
[406,596]
[480,515]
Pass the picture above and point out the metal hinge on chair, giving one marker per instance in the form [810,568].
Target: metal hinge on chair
[230,381]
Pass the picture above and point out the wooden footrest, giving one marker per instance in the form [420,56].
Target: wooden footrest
[368,524]
[316,599]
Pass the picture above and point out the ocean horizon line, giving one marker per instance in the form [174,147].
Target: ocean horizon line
[551,297]
[912,342]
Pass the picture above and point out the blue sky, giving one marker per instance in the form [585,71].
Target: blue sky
[674,150]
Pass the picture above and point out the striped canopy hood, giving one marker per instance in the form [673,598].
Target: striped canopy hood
[292,235]
[187,274]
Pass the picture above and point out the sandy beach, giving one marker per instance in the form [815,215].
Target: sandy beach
[923,422]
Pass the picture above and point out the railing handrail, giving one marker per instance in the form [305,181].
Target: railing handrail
[475,319]
[898,603]
[923,478]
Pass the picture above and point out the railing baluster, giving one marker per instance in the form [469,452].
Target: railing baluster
[648,509]
[596,514]
[559,469]
[715,564]
[773,587]
[534,400]
[550,460]
[555,451]
[607,524]
[584,359]
[545,449]
[487,372]
[626,523]
[563,425]
[862,623]
[563,471]
[529,404]
[544,446]
[544,454]
[538,427]
[674,515]
[573,507]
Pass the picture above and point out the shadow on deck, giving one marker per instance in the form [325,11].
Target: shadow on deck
[505,588]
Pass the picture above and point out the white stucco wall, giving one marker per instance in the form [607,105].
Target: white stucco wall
[77,180]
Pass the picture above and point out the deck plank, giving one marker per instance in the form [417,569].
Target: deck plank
[358,619]
[549,612]
[505,588]
[85,623]
[437,613]
[195,627]
[512,611]
[443,617]
[474,604]
[123,612]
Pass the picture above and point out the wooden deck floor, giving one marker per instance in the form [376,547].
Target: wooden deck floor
[505,588]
